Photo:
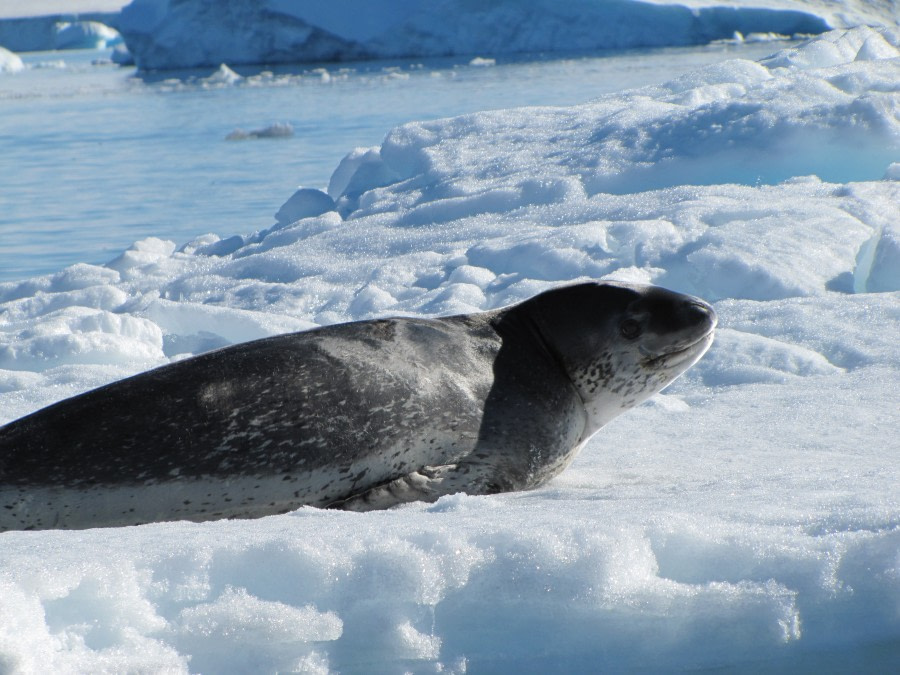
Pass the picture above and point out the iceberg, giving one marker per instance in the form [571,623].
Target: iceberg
[10,62]
[85,35]
[59,24]
[194,33]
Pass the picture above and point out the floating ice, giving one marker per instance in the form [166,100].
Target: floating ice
[276,130]
[223,76]
[304,203]
[9,62]
[85,35]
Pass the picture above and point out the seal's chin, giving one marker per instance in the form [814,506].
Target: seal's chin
[683,357]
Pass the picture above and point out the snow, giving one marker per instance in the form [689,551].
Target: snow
[196,33]
[746,519]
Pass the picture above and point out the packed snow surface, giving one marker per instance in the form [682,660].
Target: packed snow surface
[164,34]
[747,519]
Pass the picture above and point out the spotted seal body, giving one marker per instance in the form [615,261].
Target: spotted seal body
[358,416]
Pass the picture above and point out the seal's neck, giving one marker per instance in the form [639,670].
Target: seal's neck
[525,328]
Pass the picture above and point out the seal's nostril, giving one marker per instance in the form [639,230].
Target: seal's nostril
[699,311]
[697,308]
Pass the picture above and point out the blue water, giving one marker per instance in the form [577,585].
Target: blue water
[94,156]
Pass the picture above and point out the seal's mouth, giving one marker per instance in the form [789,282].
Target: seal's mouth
[692,352]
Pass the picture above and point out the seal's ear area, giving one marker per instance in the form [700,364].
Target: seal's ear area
[582,304]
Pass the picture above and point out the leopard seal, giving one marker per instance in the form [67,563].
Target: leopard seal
[359,416]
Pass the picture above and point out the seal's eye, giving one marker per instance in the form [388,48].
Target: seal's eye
[630,329]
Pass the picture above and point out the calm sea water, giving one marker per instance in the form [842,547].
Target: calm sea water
[94,156]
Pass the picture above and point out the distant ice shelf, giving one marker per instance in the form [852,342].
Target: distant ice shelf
[163,35]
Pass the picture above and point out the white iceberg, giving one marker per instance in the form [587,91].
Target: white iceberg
[274,130]
[85,35]
[43,25]
[192,33]
[10,62]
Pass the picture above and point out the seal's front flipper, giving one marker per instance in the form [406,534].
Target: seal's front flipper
[427,484]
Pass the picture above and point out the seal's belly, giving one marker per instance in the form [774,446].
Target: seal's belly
[240,495]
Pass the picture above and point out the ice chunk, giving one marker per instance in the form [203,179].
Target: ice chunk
[223,76]
[85,35]
[276,130]
[884,273]
[361,170]
[9,62]
[304,203]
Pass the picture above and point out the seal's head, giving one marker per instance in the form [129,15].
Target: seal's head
[621,343]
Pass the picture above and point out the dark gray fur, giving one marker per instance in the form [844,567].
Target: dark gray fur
[360,415]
